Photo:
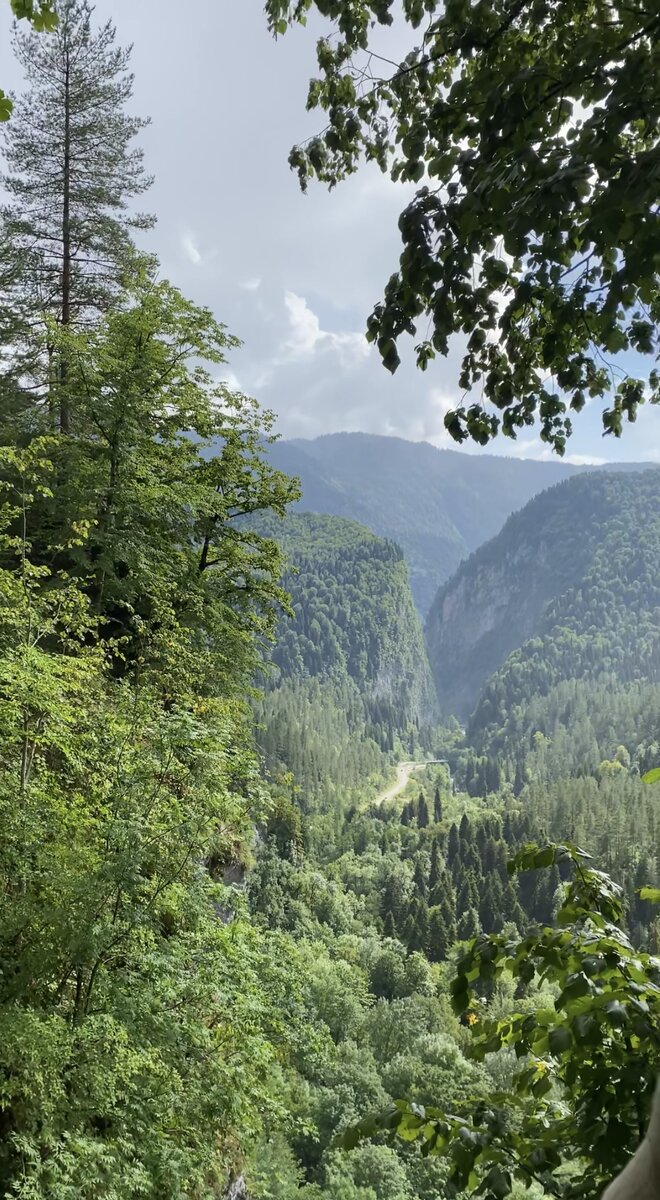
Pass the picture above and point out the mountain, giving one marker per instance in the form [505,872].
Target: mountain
[438,505]
[352,615]
[569,589]
[350,661]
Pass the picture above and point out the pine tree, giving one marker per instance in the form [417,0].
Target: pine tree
[419,880]
[434,872]
[448,910]
[491,906]
[453,845]
[389,926]
[416,928]
[468,925]
[72,171]
[422,811]
[468,893]
[438,942]
[465,829]
[437,806]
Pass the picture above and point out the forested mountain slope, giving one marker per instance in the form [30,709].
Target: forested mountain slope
[438,505]
[568,590]
[350,662]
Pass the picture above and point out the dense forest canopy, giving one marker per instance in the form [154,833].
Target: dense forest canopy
[269,931]
[531,128]
[566,590]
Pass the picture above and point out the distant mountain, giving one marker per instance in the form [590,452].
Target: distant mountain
[569,589]
[438,505]
[350,680]
[353,616]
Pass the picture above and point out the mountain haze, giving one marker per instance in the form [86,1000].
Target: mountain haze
[438,505]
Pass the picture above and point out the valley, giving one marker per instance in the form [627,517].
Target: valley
[544,649]
[404,772]
[329,764]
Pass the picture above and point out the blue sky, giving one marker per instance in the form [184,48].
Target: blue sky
[293,276]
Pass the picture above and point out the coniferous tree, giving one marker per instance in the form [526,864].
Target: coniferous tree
[437,806]
[438,943]
[453,845]
[434,872]
[468,893]
[422,811]
[468,925]
[389,926]
[72,173]
[416,928]
[448,910]
[419,880]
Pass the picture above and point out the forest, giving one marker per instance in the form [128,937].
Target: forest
[329,768]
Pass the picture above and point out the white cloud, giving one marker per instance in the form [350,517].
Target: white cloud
[252,285]
[229,379]
[189,247]
[584,460]
[306,338]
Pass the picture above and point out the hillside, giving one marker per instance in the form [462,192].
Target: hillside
[350,662]
[438,505]
[568,590]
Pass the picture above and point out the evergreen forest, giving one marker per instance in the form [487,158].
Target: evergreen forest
[329,766]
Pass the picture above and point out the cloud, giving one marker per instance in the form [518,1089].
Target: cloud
[251,285]
[584,460]
[229,379]
[306,338]
[189,247]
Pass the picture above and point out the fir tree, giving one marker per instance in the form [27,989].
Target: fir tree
[72,171]
[453,845]
[419,880]
[438,943]
[437,805]
[416,928]
[468,925]
[434,872]
[422,811]
[389,926]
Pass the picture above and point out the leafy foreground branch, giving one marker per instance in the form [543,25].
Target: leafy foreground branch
[585,1068]
[531,127]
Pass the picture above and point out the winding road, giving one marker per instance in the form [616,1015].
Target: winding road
[403,772]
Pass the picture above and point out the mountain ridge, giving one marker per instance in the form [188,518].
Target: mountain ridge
[438,504]
[537,588]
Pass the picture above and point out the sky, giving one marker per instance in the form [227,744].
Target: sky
[293,276]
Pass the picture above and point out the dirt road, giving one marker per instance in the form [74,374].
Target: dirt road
[403,772]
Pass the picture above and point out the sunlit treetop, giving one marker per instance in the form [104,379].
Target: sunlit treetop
[531,128]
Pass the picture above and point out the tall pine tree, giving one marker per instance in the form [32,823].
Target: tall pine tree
[72,171]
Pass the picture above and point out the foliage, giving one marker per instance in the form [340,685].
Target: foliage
[587,1066]
[531,126]
[131,611]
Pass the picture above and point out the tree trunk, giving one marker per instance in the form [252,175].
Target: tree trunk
[65,315]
